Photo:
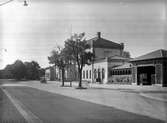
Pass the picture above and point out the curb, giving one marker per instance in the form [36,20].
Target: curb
[152,97]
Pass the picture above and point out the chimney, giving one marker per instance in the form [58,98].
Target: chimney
[99,34]
[122,45]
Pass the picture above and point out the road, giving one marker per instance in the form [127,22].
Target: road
[49,107]
[8,113]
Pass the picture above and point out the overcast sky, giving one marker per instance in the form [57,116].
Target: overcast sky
[30,33]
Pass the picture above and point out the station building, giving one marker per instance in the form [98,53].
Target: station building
[108,54]
[150,68]
[111,66]
[121,74]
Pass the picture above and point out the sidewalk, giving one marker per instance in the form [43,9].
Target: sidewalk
[152,92]
[122,97]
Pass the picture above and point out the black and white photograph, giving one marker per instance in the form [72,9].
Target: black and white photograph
[83,61]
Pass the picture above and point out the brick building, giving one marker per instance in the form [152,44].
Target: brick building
[108,54]
[150,68]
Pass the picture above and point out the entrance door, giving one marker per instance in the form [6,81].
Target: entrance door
[143,79]
[146,75]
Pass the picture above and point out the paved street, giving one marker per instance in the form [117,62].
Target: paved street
[8,113]
[127,98]
[49,107]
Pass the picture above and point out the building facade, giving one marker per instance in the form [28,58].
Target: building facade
[100,70]
[121,74]
[108,54]
[150,68]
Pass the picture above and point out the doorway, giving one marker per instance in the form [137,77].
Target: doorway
[146,75]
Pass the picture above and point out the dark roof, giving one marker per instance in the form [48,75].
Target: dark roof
[152,55]
[104,43]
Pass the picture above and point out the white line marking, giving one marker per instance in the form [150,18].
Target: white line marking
[27,114]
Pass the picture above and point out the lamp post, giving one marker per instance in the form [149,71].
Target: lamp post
[6,2]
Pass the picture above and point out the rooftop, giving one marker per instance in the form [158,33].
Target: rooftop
[161,53]
[99,42]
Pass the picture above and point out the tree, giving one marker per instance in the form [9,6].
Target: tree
[41,72]
[78,48]
[126,54]
[60,59]
[7,72]
[32,70]
[18,70]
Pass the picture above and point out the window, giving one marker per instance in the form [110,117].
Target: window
[83,75]
[87,74]
[90,74]
[103,73]
[95,76]
[98,73]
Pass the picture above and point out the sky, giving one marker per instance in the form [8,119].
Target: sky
[32,32]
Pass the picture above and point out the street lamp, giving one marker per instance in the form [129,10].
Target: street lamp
[3,3]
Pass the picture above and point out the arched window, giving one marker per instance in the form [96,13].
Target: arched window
[95,76]
[103,73]
[118,72]
[83,75]
[90,74]
[127,72]
[121,72]
[98,73]
[86,74]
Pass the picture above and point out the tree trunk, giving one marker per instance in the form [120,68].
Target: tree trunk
[62,77]
[80,78]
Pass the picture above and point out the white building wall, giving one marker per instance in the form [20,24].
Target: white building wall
[87,72]
[47,74]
